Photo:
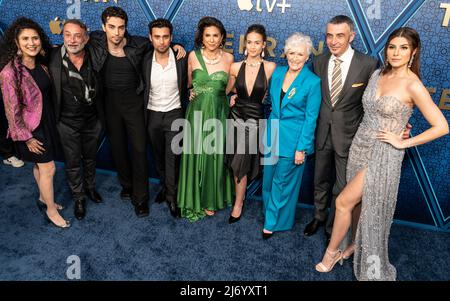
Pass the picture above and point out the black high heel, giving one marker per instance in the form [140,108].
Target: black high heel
[233,219]
[65,226]
[41,205]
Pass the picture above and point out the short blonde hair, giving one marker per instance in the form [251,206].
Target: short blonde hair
[297,39]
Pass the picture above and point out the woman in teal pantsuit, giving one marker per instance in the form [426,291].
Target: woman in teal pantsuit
[295,96]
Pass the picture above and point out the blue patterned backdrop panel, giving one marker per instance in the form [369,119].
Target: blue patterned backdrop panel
[424,193]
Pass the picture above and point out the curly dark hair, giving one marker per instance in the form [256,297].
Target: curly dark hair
[208,22]
[9,46]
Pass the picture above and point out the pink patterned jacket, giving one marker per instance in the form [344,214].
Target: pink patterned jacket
[23,117]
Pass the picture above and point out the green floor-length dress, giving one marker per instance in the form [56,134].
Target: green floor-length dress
[205,182]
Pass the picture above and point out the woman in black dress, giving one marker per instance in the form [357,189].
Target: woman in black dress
[26,88]
[250,80]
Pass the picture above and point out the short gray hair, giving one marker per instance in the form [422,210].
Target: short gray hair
[297,39]
[77,22]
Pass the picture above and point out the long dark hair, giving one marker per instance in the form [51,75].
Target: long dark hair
[10,48]
[412,36]
[208,22]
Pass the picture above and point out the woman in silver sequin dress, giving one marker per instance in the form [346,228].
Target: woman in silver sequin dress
[375,159]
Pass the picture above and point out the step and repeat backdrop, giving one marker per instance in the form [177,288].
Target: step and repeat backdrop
[424,194]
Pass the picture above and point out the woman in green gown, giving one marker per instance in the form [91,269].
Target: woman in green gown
[205,184]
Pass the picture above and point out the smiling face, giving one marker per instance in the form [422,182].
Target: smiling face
[339,37]
[212,38]
[75,38]
[254,44]
[29,42]
[296,57]
[115,30]
[399,52]
[161,39]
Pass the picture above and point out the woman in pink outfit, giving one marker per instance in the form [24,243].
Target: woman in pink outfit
[26,88]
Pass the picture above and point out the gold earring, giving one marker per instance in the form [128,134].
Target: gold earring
[42,52]
[19,52]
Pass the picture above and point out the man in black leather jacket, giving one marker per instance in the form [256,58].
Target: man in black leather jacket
[117,56]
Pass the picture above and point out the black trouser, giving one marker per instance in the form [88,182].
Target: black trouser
[167,163]
[125,123]
[327,163]
[79,141]
[6,146]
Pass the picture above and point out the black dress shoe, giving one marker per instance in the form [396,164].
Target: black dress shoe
[160,197]
[125,194]
[312,227]
[174,210]
[79,209]
[94,196]
[141,209]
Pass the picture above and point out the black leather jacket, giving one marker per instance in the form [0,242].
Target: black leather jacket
[135,49]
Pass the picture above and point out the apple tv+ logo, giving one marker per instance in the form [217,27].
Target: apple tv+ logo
[247,5]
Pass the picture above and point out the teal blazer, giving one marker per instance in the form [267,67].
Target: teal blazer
[297,115]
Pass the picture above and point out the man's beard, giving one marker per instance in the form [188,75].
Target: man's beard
[75,50]
[166,50]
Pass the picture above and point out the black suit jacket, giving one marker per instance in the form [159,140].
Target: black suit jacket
[56,68]
[182,70]
[342,121]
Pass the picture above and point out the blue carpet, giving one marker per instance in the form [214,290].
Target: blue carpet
[113,244]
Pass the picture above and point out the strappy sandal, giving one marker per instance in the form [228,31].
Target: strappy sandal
[336,257]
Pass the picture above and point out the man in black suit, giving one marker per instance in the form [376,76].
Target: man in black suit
[165,95]
[78,111]
[345,73]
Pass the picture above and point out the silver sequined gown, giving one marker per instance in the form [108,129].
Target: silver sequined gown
[371,260]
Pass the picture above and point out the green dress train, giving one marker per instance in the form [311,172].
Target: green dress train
[205,182]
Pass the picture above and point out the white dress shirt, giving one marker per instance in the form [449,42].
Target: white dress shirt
[346,59]
[164,94]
